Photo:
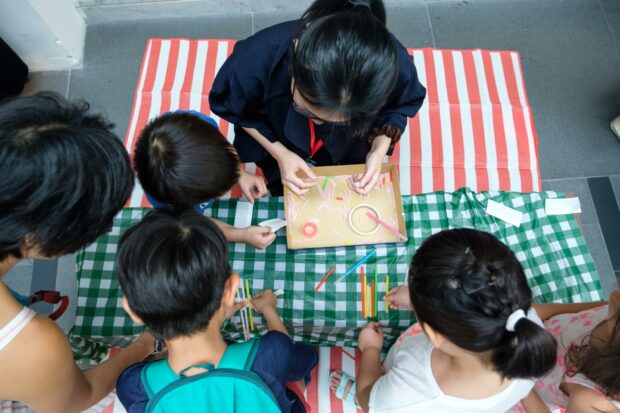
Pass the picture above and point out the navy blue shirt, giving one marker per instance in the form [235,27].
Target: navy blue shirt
[277,361]
[253,90]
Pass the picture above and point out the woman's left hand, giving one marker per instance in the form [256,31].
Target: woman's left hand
[374,162]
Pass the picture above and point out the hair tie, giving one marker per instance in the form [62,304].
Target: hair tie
[514,318]
[363,3]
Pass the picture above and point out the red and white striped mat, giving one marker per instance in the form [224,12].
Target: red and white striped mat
[475,128]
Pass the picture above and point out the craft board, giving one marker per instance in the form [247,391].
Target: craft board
[331,214]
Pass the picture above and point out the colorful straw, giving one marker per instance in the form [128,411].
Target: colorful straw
[247,291]
[363,297]
[357,265]
[245,309]
[375,287]
[386,225]
[243,326]
[324,278]
[387,290]
[373,298]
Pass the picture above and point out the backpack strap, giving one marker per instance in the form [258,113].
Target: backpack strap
[240,356]
[156,375]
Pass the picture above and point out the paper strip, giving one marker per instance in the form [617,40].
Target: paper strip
[562,206]
[243,214]
[275,224]
[506,214]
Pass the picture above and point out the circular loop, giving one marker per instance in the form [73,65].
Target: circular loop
[357,230]
[309,229]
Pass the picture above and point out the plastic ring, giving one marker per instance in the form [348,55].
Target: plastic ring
[309,230]
[357,230]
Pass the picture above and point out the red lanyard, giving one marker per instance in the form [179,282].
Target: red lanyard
[315,144]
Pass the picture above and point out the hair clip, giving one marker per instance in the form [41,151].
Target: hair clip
[475,290]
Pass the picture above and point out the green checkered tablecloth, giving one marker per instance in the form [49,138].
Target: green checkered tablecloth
[552,250]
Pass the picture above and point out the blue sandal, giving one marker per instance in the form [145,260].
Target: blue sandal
[344,380]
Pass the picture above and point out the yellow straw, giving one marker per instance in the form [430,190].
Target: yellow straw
[387,290]
[247,292]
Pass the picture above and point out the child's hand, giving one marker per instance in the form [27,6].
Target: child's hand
[252,186]
[398,298]
[258,237]
[371,336]
[264,302]
[230,311]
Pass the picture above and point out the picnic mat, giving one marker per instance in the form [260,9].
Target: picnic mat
[475,128]
[552,250]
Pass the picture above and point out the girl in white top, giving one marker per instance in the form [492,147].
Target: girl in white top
[479,344]
[586,376]
[64,175]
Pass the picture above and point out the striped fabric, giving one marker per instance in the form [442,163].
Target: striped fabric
[475,128]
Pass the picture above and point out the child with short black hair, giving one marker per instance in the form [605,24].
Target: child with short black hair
[478,346]
[182,161]
[175,277]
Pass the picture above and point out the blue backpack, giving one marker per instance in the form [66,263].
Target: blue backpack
[231,387]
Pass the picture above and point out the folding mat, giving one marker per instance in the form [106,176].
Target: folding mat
[475,126]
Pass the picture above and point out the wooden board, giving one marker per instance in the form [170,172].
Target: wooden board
[331,214]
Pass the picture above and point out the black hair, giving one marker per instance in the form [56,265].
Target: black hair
[345,61]
[182,160]
[172,267]
[465,284]
[64,175]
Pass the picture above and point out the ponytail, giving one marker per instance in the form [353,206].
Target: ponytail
[528,352]
[469,287]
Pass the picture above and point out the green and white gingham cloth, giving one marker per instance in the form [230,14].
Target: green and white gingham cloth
[553,252]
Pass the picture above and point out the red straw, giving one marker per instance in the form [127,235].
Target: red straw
[324,278]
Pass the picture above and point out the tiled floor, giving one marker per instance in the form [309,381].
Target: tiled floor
[570,52]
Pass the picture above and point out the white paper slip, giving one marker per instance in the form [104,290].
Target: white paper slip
[275,224]
[243,214]
[507,214]
[279,292]
[562,206]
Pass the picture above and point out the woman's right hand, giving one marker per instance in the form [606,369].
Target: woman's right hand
[289,164]
[398,298]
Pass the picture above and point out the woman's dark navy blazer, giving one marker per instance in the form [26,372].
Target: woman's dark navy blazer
[253,90]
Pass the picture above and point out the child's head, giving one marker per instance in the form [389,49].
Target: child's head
[173,271]
[64,176]
[465,285]
[599,359]
[182,160]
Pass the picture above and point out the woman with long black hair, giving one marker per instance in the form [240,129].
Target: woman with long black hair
[334,87]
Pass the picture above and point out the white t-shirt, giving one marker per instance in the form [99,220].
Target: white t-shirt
[408,384]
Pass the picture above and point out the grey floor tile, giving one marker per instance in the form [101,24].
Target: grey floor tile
[596,244]
[579,187]
[615,185]
[19,279]
[44,274]
[608,215]
[410,24]
[113,54]
[262,20]
[66,283]
[55,81]
[611,9]
[570,67]
[546,184]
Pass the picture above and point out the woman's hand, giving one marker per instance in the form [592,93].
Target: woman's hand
[289,164]
[252,185]
[398,298]
[374,161]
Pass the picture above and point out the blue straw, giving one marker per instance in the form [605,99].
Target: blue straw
[359,263]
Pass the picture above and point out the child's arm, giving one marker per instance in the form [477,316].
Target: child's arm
[370,343]
[258,237]
[534,404]
[252,185]
[546,311]
[265,303]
